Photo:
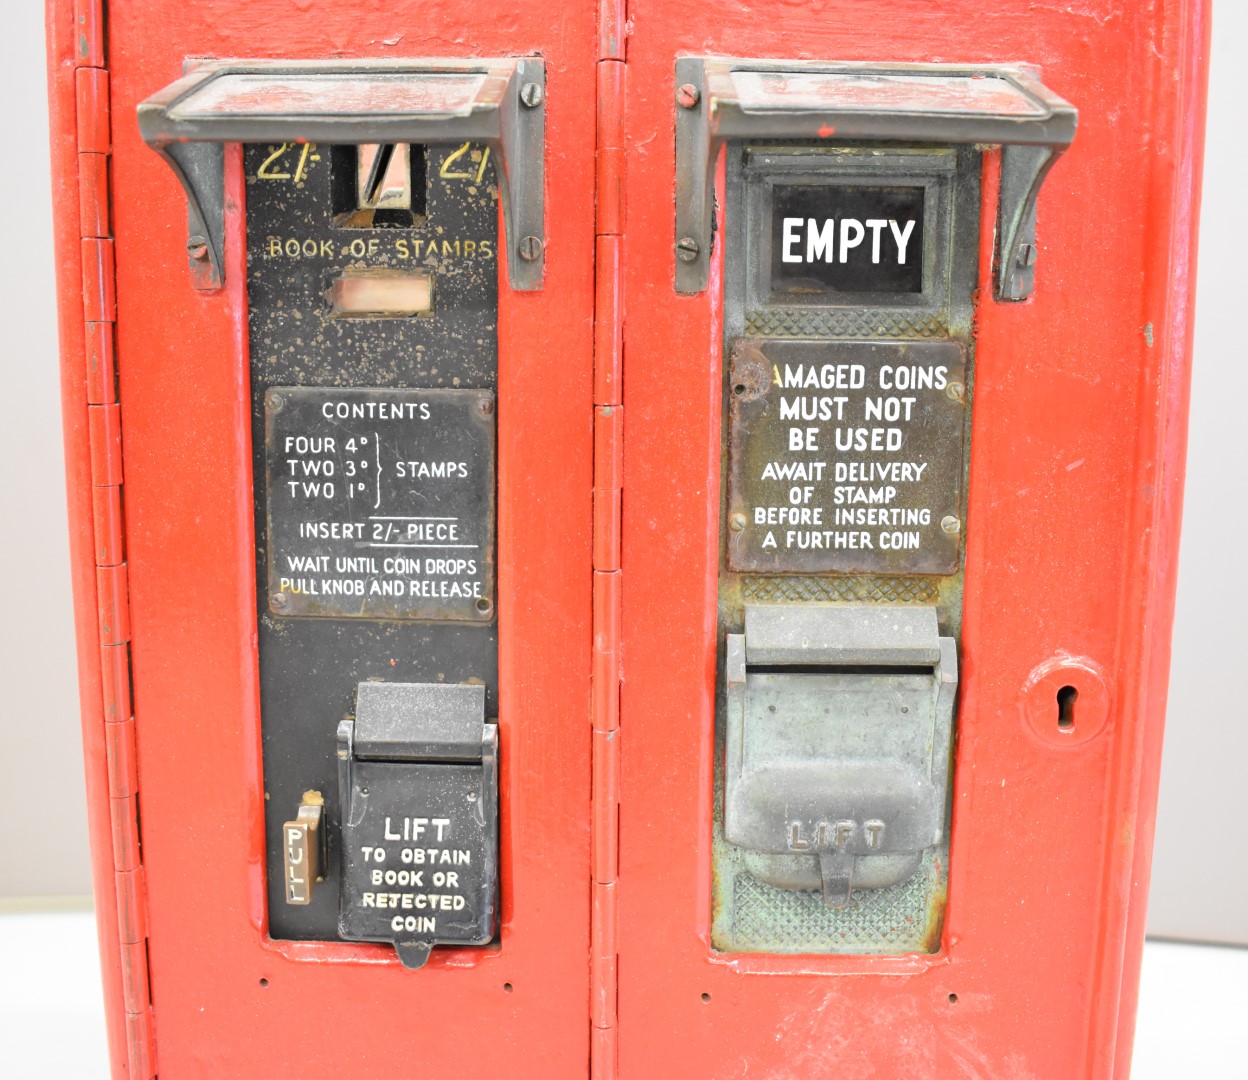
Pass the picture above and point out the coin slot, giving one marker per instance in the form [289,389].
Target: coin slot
[379,185]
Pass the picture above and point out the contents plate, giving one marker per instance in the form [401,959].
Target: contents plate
[380,503]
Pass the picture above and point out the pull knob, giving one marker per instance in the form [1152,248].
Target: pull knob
[303,839]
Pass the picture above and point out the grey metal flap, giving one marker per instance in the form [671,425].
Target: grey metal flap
[723,98]
[497,102]
[418,722]
[841,634]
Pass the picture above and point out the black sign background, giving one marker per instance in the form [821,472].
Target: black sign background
[858,274]
[361,481]
[310,667]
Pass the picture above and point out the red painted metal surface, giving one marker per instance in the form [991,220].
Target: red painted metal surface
[79,107]
[1076,477]
[226,1001]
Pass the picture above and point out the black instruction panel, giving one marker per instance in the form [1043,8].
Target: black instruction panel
[374,466]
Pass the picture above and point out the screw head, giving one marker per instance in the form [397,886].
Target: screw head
[1026,255]
[530,248]
[687,96]
[687,249]
[486,406]
[274,402]
[531,95]
[280,600]
[955,391]
[951,525]
[737,522]
[197,247]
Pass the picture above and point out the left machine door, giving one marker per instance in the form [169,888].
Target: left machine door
[353,356]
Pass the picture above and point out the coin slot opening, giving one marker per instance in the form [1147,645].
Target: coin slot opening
[379,185]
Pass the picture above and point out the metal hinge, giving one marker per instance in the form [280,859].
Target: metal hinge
[608,484]
[113,595]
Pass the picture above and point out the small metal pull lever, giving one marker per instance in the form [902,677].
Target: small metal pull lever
[302,840]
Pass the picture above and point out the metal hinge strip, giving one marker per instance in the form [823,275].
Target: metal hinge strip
[608,488]
[113,598]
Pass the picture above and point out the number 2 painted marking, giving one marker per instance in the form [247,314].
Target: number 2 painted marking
[266,170]
[445,171]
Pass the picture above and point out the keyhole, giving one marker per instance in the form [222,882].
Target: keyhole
[1066,697]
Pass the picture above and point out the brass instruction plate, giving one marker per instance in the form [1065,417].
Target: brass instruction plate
[846,457]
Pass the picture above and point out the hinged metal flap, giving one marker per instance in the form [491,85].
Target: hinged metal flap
[930,103]
[838,730]
[418,722]
[841,635]
[496,102]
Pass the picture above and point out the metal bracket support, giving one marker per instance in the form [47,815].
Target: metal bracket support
[721,99]
[497,102]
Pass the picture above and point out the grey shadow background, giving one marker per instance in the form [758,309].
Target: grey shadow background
[1200,873]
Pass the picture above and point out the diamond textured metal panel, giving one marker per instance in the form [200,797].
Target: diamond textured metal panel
[848,589]
[858,322]
[891,920]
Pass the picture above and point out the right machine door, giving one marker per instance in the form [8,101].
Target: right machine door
[905,392]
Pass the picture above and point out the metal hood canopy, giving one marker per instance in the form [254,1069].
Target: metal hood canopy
[496,102]
[724,99]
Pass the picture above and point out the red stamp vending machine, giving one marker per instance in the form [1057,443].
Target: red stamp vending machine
[623,540]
